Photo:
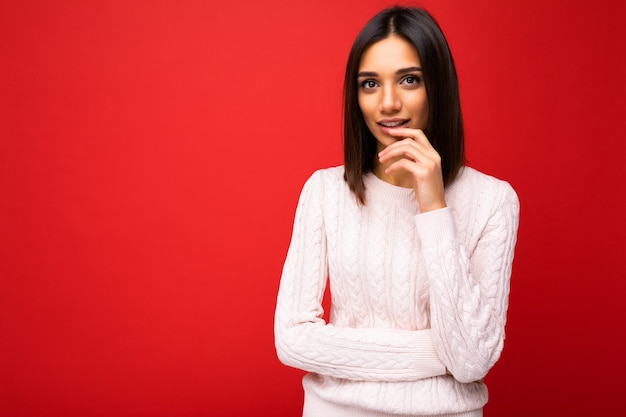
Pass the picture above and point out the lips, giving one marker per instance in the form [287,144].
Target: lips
[393,123]
[386,125]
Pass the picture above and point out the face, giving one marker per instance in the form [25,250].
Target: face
[391,89]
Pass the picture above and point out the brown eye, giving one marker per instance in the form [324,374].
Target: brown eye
[368,84]
[411,80]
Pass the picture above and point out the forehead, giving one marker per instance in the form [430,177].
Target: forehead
[392,53]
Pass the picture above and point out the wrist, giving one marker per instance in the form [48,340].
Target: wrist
[425,208]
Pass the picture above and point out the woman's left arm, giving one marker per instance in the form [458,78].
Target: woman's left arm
[469,291]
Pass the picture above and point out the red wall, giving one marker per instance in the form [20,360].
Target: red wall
[151,156]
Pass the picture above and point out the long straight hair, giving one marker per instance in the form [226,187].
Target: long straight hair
[445,125]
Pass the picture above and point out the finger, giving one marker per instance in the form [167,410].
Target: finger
[417,158]
[411,152]
[416,134]
[404,131]
[408,148]
[416,169]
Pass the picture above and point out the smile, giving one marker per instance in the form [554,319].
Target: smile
[393,123]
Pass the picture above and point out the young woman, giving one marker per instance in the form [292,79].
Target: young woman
[417,247]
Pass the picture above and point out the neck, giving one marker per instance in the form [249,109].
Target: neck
[399,178]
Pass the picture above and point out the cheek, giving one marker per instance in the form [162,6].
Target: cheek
[419,105]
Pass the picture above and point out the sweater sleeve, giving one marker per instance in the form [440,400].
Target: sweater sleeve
[304,340]
[469,291]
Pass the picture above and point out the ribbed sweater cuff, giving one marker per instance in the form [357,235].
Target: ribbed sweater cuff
[435,227]
[428,363]
[314,406]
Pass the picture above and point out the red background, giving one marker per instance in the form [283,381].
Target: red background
[151,157]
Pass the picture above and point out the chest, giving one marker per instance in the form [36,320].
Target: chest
[374,266]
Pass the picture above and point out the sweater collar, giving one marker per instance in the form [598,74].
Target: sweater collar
[400,195]
[380,189]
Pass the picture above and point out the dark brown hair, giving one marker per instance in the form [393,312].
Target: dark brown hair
[445,124]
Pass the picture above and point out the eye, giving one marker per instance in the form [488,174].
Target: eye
[411,80]
[368,84]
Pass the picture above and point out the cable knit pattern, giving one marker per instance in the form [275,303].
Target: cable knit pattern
[412,294]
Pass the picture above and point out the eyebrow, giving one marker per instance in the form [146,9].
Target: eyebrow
[401,71]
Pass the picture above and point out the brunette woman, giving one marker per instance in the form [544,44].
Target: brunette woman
[417,246]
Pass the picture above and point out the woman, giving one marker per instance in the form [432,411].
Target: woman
[417,247]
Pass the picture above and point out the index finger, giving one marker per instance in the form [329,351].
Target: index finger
[416,134]
[405,131]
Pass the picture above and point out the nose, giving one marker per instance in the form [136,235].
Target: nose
[390,102]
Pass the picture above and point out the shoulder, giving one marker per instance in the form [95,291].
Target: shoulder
[483,193]
[328,174]
[325,177]
[472,182]
[324,181]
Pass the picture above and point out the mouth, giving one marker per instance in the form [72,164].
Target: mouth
[393,123]
[387,124]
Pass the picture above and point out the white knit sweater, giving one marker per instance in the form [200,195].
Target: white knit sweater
[412,295]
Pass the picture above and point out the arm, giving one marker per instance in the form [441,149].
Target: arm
[303,340]
[469,292]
